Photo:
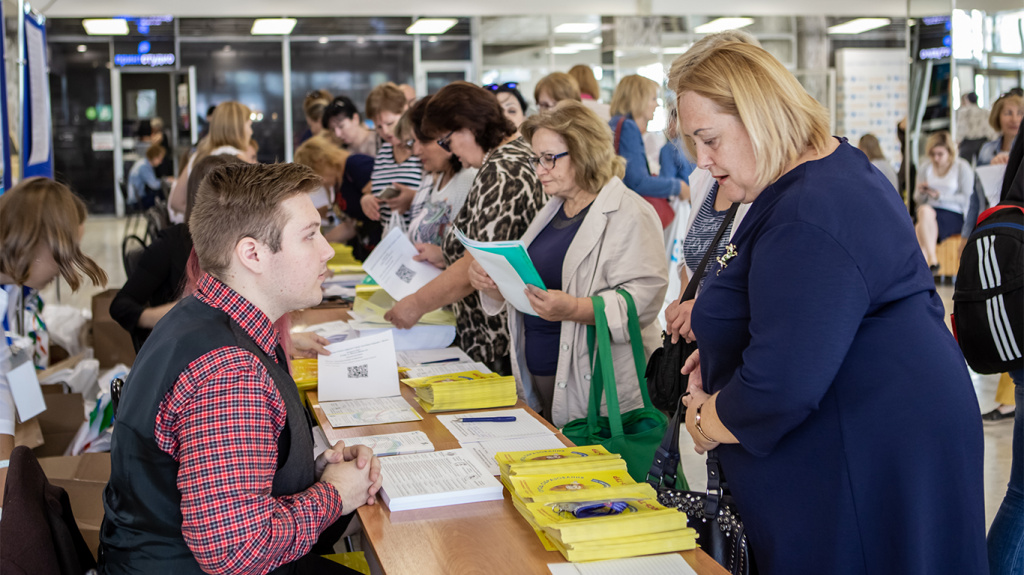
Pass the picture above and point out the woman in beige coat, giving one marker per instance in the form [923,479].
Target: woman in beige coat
[594,237]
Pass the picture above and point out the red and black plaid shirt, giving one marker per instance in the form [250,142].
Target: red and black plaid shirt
[221,422]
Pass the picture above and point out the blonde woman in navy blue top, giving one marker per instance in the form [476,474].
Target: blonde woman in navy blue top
[827,382]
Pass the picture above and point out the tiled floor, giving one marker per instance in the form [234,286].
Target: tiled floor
[102,241]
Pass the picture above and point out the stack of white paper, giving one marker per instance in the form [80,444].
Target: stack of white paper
[394,443]
[525,425]
[436,479]
[673,564]
[370,411]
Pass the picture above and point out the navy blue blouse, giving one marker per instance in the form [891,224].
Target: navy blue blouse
[860,446]
[547,251]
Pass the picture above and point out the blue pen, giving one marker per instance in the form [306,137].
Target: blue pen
[502,419]
[449,360]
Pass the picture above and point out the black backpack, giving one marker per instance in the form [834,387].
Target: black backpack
[988,299]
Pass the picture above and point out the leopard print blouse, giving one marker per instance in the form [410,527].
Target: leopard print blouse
[505,197]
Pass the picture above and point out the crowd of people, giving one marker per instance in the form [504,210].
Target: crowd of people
[827,382]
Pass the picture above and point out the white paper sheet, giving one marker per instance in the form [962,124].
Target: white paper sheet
[413,358]
[525,425]
[334,331]
[445,369]
[419,336]
[40,94]
[394,443]
[991,181]
[370,411]
[485,450]
[669,564]
[24,385]
[359,368]
[392,266]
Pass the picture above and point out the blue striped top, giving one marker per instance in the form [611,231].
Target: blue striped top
[702,231]
[387,172]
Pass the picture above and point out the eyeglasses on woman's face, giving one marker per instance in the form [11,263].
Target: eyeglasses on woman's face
[446,141]
[546,161]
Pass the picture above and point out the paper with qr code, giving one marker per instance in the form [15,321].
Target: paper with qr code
[359,368]
[391,265]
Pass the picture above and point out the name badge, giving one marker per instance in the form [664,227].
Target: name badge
[24,383]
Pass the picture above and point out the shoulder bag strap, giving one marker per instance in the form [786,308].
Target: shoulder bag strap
[666,458]
[691,287]
[618,132]
[636,341]
[602,369]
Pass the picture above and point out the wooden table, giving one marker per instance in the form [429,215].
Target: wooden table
[488,537]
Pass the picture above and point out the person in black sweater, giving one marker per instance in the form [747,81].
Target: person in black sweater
[156,283]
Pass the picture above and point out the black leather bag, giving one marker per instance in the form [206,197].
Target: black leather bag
[713,514]
[665,383]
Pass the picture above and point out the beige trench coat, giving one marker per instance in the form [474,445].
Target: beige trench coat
[619,245]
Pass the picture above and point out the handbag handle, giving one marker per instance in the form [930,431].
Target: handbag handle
[662,473]
[603,368]
[691,286]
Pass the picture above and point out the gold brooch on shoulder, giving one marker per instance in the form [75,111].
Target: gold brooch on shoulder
[723,260]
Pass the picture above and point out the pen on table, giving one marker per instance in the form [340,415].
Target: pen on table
[449,360]
[486,419]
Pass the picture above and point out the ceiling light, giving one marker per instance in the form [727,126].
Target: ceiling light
[676,49]
[582,47]
[723,24]
[322,40]
[596,40]
[576,28]
[82,48]
[105,27]
[859,25]
[431,26]
[272,26]
[564,50]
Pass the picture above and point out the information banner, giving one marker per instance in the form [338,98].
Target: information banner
[37,133]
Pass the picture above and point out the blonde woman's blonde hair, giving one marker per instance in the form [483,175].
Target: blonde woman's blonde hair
[227,128]
[747,82]
[942,139]
[588,138]
[321,155]
[584,77]
[559,85]
[632,96]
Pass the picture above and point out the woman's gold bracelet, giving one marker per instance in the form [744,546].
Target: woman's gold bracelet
[697,425]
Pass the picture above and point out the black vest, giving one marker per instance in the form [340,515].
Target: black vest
[141,530]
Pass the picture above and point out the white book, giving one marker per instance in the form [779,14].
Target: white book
[673,564]
[394,443]
[436,479]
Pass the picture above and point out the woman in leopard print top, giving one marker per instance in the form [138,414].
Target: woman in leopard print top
[504,199]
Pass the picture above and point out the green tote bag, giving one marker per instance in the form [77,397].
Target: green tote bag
[634,435]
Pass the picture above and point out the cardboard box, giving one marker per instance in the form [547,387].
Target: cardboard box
[84,477]
[111,343]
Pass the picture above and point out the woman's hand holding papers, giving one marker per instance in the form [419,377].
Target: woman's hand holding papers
[353,471]
[405,313]
[430,253]
[309,345]
[556,305]
[479,279]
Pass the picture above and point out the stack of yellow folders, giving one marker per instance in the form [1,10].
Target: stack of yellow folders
[463,390]
[343,261]
[562,494]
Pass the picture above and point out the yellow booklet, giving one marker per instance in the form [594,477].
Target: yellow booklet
[630,546]
[641,516]
[461,376]
[592,485]
[545,461]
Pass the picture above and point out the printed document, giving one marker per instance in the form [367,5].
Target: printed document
[359,368]
[371,411]
[509,265]
[525,425]
[392,266]
[435,479]
[394,443]
[485,450]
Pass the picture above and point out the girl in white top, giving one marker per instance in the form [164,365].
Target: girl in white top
[943,189]
[41,225]
[444,188]
[230,133]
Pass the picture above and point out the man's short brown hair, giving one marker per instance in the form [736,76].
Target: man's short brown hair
[244,201]
[386,97]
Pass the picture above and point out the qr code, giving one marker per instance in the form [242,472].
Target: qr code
[355,371]
[405,274]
